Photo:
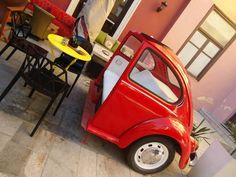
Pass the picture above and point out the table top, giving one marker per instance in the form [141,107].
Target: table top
[102,52]
[78,53]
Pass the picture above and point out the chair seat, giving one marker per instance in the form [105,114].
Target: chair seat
[45,82]
[65,60]
[22,45]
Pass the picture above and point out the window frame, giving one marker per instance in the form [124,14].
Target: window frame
[209,39]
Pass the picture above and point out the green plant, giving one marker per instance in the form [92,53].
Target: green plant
[200,132]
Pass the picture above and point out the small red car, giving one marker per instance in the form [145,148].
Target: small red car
[142,102]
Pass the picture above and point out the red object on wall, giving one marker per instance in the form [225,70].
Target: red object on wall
[157,24]
[61,4]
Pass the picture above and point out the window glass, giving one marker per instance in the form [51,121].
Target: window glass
[198,39]
[187,53]
[147,61]
[157,77]
[211,49]
[130,47]
[218,28]
[199,64]
[172,78]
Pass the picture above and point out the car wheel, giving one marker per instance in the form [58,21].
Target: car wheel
[151,154]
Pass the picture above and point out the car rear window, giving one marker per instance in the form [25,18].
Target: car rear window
[153,74]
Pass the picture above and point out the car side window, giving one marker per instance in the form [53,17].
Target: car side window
[153,74]
[130,47]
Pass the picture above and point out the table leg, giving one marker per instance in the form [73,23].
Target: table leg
[71,63]
[52,52]
[56,69]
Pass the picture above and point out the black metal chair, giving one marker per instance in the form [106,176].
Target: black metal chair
[39,73]
[64,60]
[20,30]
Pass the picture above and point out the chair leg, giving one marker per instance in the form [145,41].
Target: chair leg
[76,79]
[10,55]
[60,102]
[4,49]
[9,86]
[31,92]
[42,117]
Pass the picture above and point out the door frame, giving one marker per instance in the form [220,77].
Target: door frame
[126,19]
[124,22]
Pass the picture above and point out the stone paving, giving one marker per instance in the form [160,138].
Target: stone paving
[60,147]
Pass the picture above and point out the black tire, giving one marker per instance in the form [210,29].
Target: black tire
[165,142]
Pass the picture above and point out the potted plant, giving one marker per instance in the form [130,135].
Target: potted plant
[199,132]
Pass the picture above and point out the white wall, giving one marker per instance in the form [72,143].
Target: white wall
[73,4]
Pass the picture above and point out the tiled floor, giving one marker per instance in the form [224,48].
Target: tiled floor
[59,148]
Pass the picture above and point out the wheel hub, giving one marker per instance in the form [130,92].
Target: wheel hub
[151,155]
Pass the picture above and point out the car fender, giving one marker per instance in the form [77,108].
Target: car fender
[169,127]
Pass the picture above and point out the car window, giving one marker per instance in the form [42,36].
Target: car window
[130,47]
[153,74]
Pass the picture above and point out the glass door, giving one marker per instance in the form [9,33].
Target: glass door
[116,16]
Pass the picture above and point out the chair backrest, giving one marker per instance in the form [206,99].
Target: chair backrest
[76,41]
[86,45]
[20,24]
[40,21]
[43,68]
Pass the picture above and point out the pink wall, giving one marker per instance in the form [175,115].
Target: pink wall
[146,19]
[186,23]
[214,91]
[226,107]
[217,84]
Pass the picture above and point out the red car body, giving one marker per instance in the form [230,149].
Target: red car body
[131,112]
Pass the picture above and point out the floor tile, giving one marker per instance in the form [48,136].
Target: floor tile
[63,159]
[22,136]
[4,139]
[87,163]
[135,174]
[171,171]
[40,151]
[107,167]
[6,175]
[9,124]
[13,158]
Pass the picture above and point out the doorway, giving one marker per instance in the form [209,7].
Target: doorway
[114,19]
[117,14]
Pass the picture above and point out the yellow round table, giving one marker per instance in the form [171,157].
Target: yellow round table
[78,53]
